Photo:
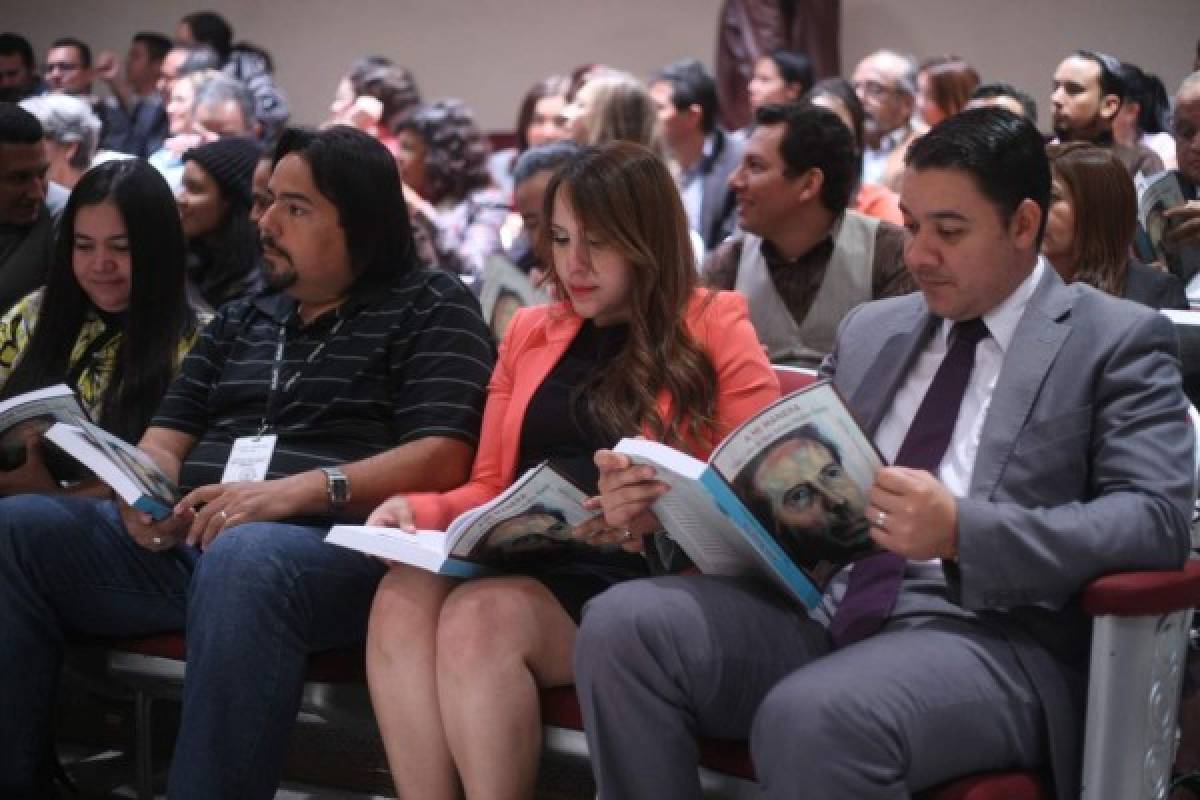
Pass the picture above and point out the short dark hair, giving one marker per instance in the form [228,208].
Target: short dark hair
[455,149]
[794,67]
[543,158]
[393,86]
[691,85]
[15,43]
[1002,151]
[1151,96]
[816,138]
[210,28]
[18,126]
[157,46]
[85,52]
[199,57]
[986,90]
[358,175]
[1111,81]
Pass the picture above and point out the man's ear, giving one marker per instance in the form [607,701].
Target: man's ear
[1026,221]
[808,185]
[69,150]
[1110,104]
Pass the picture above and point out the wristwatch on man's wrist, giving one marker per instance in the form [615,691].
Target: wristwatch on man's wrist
[337,488]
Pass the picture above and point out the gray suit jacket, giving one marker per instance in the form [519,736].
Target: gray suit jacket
[1084,468]
[717,217]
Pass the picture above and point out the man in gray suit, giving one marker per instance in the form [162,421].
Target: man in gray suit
[1070,457]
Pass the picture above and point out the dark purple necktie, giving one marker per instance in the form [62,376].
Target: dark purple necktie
[875,581]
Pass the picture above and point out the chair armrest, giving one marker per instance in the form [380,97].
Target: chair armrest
[1136,594]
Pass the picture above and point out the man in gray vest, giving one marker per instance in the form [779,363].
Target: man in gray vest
[29,205]
[802,259]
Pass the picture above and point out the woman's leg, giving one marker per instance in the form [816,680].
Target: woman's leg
[498,641]
[401,637]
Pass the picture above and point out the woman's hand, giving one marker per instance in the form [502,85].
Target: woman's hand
[627,494]
[395,512]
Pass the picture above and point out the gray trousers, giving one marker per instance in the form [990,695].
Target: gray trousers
[661,661]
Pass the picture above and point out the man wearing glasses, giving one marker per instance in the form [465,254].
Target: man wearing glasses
[886,83]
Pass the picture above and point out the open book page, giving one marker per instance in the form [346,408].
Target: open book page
[1156,194]
[532,520]
[804,468]
[505,289]
[128,471]
[34,412]
[424,549]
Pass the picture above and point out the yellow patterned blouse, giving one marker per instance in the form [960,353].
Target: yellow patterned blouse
[17,326]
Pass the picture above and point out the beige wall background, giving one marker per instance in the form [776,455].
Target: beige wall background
[488,52]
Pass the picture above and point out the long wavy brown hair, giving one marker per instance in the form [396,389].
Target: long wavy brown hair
[1104,203]
[622,194]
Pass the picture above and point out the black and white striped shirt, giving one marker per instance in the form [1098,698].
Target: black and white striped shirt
[390,365]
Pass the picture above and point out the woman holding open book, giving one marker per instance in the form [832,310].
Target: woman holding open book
[120,324]
[634,348]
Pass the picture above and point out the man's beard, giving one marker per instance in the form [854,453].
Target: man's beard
[1093,130]
[277,277]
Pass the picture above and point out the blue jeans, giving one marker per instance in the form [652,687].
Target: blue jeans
[254,606]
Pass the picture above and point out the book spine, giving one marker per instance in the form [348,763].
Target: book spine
[770,554]
[154,508]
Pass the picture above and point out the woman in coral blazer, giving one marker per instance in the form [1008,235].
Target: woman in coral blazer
[454,668]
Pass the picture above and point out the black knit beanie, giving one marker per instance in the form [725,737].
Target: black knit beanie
[231,164]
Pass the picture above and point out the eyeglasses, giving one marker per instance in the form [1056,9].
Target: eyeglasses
[874,88]
[61,66]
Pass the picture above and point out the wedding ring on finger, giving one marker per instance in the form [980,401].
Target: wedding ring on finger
[224,515]
[881,520]
[626,535]
[156,541]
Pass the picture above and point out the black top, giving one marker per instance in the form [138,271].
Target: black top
[390,365]
[558,424]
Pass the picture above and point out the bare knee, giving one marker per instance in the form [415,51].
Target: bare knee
[405,610]
[485,624]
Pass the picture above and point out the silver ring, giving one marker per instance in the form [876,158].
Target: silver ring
[156,541]
[626,535]
[881,520]
[224,515]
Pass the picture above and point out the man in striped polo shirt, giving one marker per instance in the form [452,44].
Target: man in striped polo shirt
[358,374]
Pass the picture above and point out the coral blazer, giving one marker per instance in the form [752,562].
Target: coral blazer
[536,340]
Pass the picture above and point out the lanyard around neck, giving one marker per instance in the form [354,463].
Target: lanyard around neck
[277,369]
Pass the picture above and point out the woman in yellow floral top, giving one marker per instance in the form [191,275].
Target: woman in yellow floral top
[117,319]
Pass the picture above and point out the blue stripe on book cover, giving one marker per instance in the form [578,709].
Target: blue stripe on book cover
[778,561]
[154,508]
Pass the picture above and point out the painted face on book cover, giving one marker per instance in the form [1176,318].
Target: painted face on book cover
[812,497]
[595,276]
[960,252]
[100,256]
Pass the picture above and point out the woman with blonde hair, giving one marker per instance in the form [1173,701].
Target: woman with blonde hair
[1090,226]
[615,106]
[633,347]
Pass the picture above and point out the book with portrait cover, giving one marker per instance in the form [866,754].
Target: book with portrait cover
[127,470]
[1156,194]
[782,497]
[529,523]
